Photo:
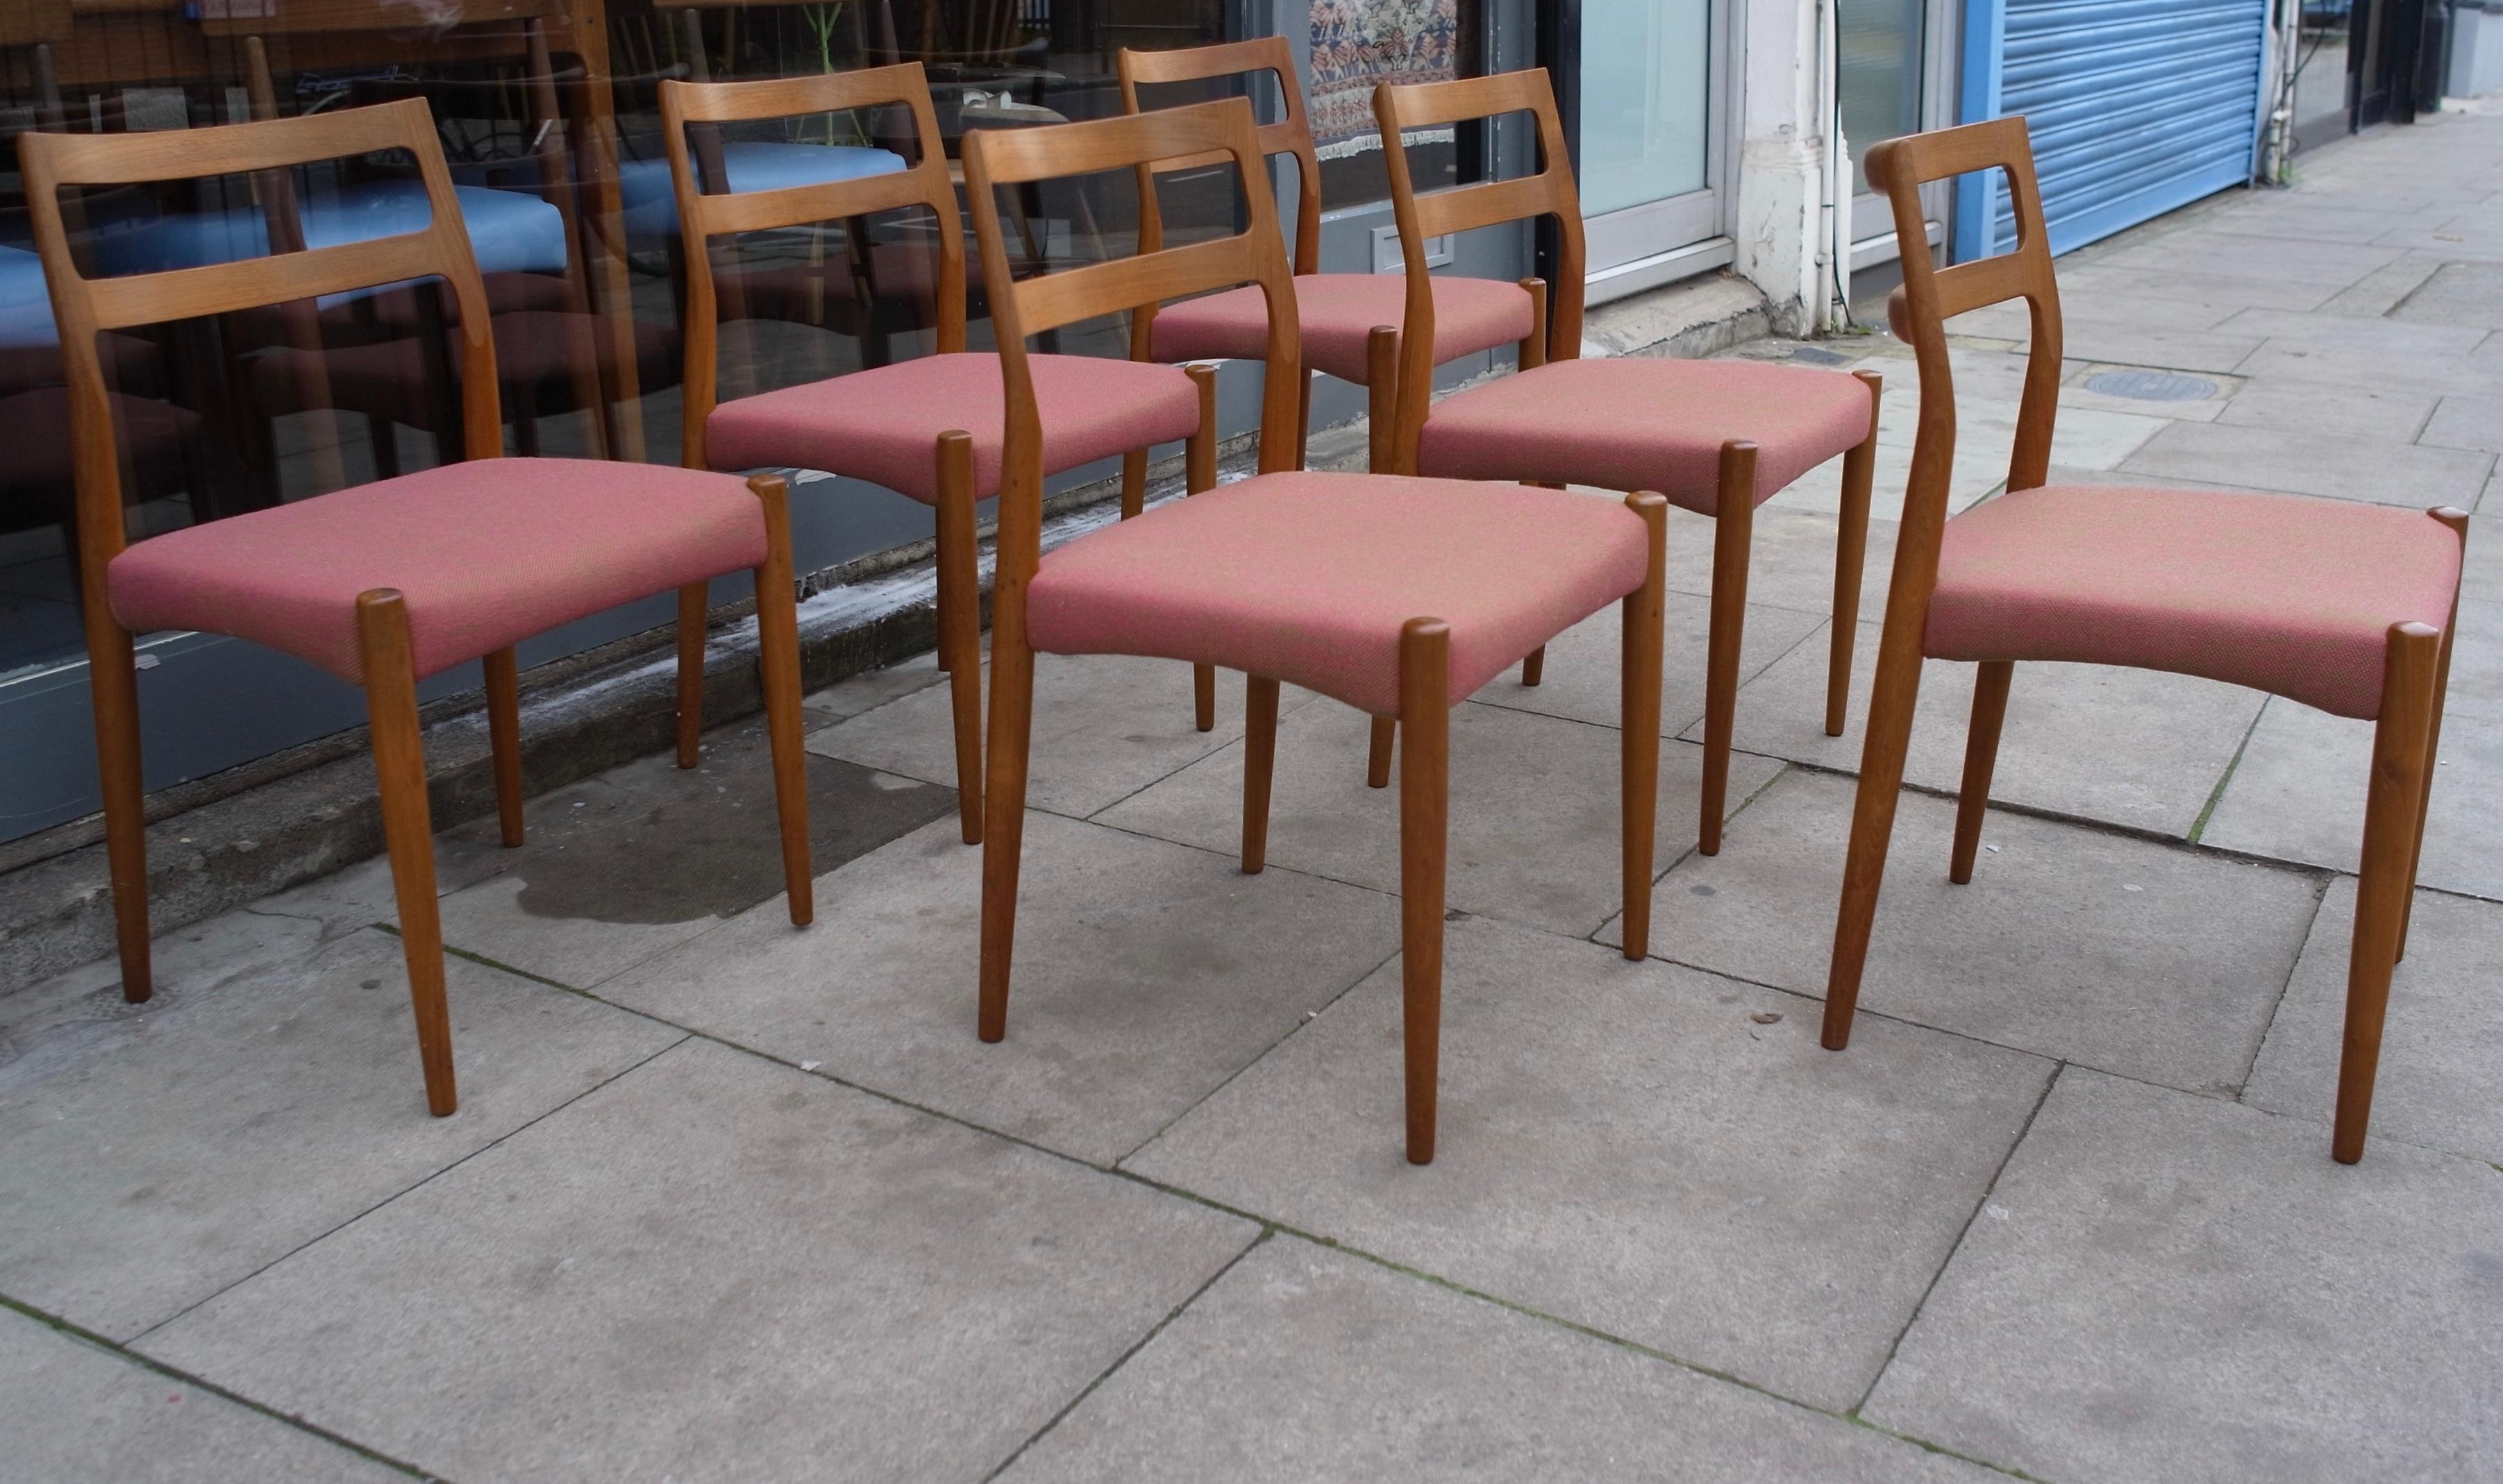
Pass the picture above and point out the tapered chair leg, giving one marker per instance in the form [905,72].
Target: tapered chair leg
[1199,476]
[399,771]
[1304,420]
[777,662]
[1382,399]
[1638,733]
[1424,806]
[1980,756]
[2457,521]
[1533,666]
[504,739]
[1377,762]
[960,618]
[692,606]
[1134,483]
[1733,533]
[1003,827]
[113,680]
[1891,704]
[1850,557]
[1260,765]
[2383,886]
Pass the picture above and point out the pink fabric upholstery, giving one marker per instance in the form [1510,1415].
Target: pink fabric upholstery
[1641,423]
[2284,593]
[884,424]
[486,552]
[1307,578]
[1337,312]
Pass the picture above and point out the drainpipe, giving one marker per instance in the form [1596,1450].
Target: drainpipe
[1833,251]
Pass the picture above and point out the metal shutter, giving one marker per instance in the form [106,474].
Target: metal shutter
[2135,107]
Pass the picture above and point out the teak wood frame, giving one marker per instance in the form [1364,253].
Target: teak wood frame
[1291,135]
[1256,256]
[926,183]
[1550,192]
[2415,669]
[85,306]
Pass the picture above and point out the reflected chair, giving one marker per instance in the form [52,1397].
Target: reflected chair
[1717,437]
[1351,321]
[932,429]
[2345,606]
[1395,595]
[390,582]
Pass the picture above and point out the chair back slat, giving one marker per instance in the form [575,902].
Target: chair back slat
[1931,295]
[1020,309]
[703,217]
[82,307]
[1549,193]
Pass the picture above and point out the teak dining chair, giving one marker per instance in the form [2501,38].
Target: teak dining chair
[1351,321]
[1717,437]
[931,429]
[1397,596]
[2341,605]
[389,582]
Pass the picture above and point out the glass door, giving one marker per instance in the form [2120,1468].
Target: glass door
[1884,46]
[1643,115]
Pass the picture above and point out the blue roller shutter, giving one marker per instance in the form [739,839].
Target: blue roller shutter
[2135,106]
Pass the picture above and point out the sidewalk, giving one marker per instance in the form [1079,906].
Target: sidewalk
[730,1202]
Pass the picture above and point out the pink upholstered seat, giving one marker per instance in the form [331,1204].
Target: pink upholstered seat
[2284,593]
[1337,313]
[487,552]
[1307,578]
[882,424]
[1641,423]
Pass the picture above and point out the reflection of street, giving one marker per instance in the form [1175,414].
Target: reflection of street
[2320,87]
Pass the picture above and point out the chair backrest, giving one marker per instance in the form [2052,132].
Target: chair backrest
[85,307]
[925,183]
[1931,295]
[1549,193]
[1291,134]
[1257,254]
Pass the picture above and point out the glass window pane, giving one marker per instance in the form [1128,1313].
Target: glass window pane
[1646,74]
[1881,75]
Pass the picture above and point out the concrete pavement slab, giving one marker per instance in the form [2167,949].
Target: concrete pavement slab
[2465,421]
[2356,335]
[2105,279]
[1792,565]
[2223,255]
[1635,1147]
[2455,293]
[1147,974]
[577,912]
[1105,727]
[1308,1363]
[2172,1287]
[2129,747]
[158,1153]
[2124,955]
[1534,819]
[1583,677]
[2325,409]
[716,1269]
[2344,468]
[2439,1044]
[80,1414]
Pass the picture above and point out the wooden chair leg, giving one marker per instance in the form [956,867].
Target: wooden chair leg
[2457,521]
[2383,886]
[1892,700]
[1425,807]
[1733,533]
[1304,420]
[383,436]
[693,604]
[960,618]
[1980,756]
[504,739]
[1377,763]
[1850,557]
[1645,611]
[1380,399]
[1004,823]
[777,664]
[1533,666]
[113,681]
[1134,483]
[400,771]
[1199,476]
[1259,763]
